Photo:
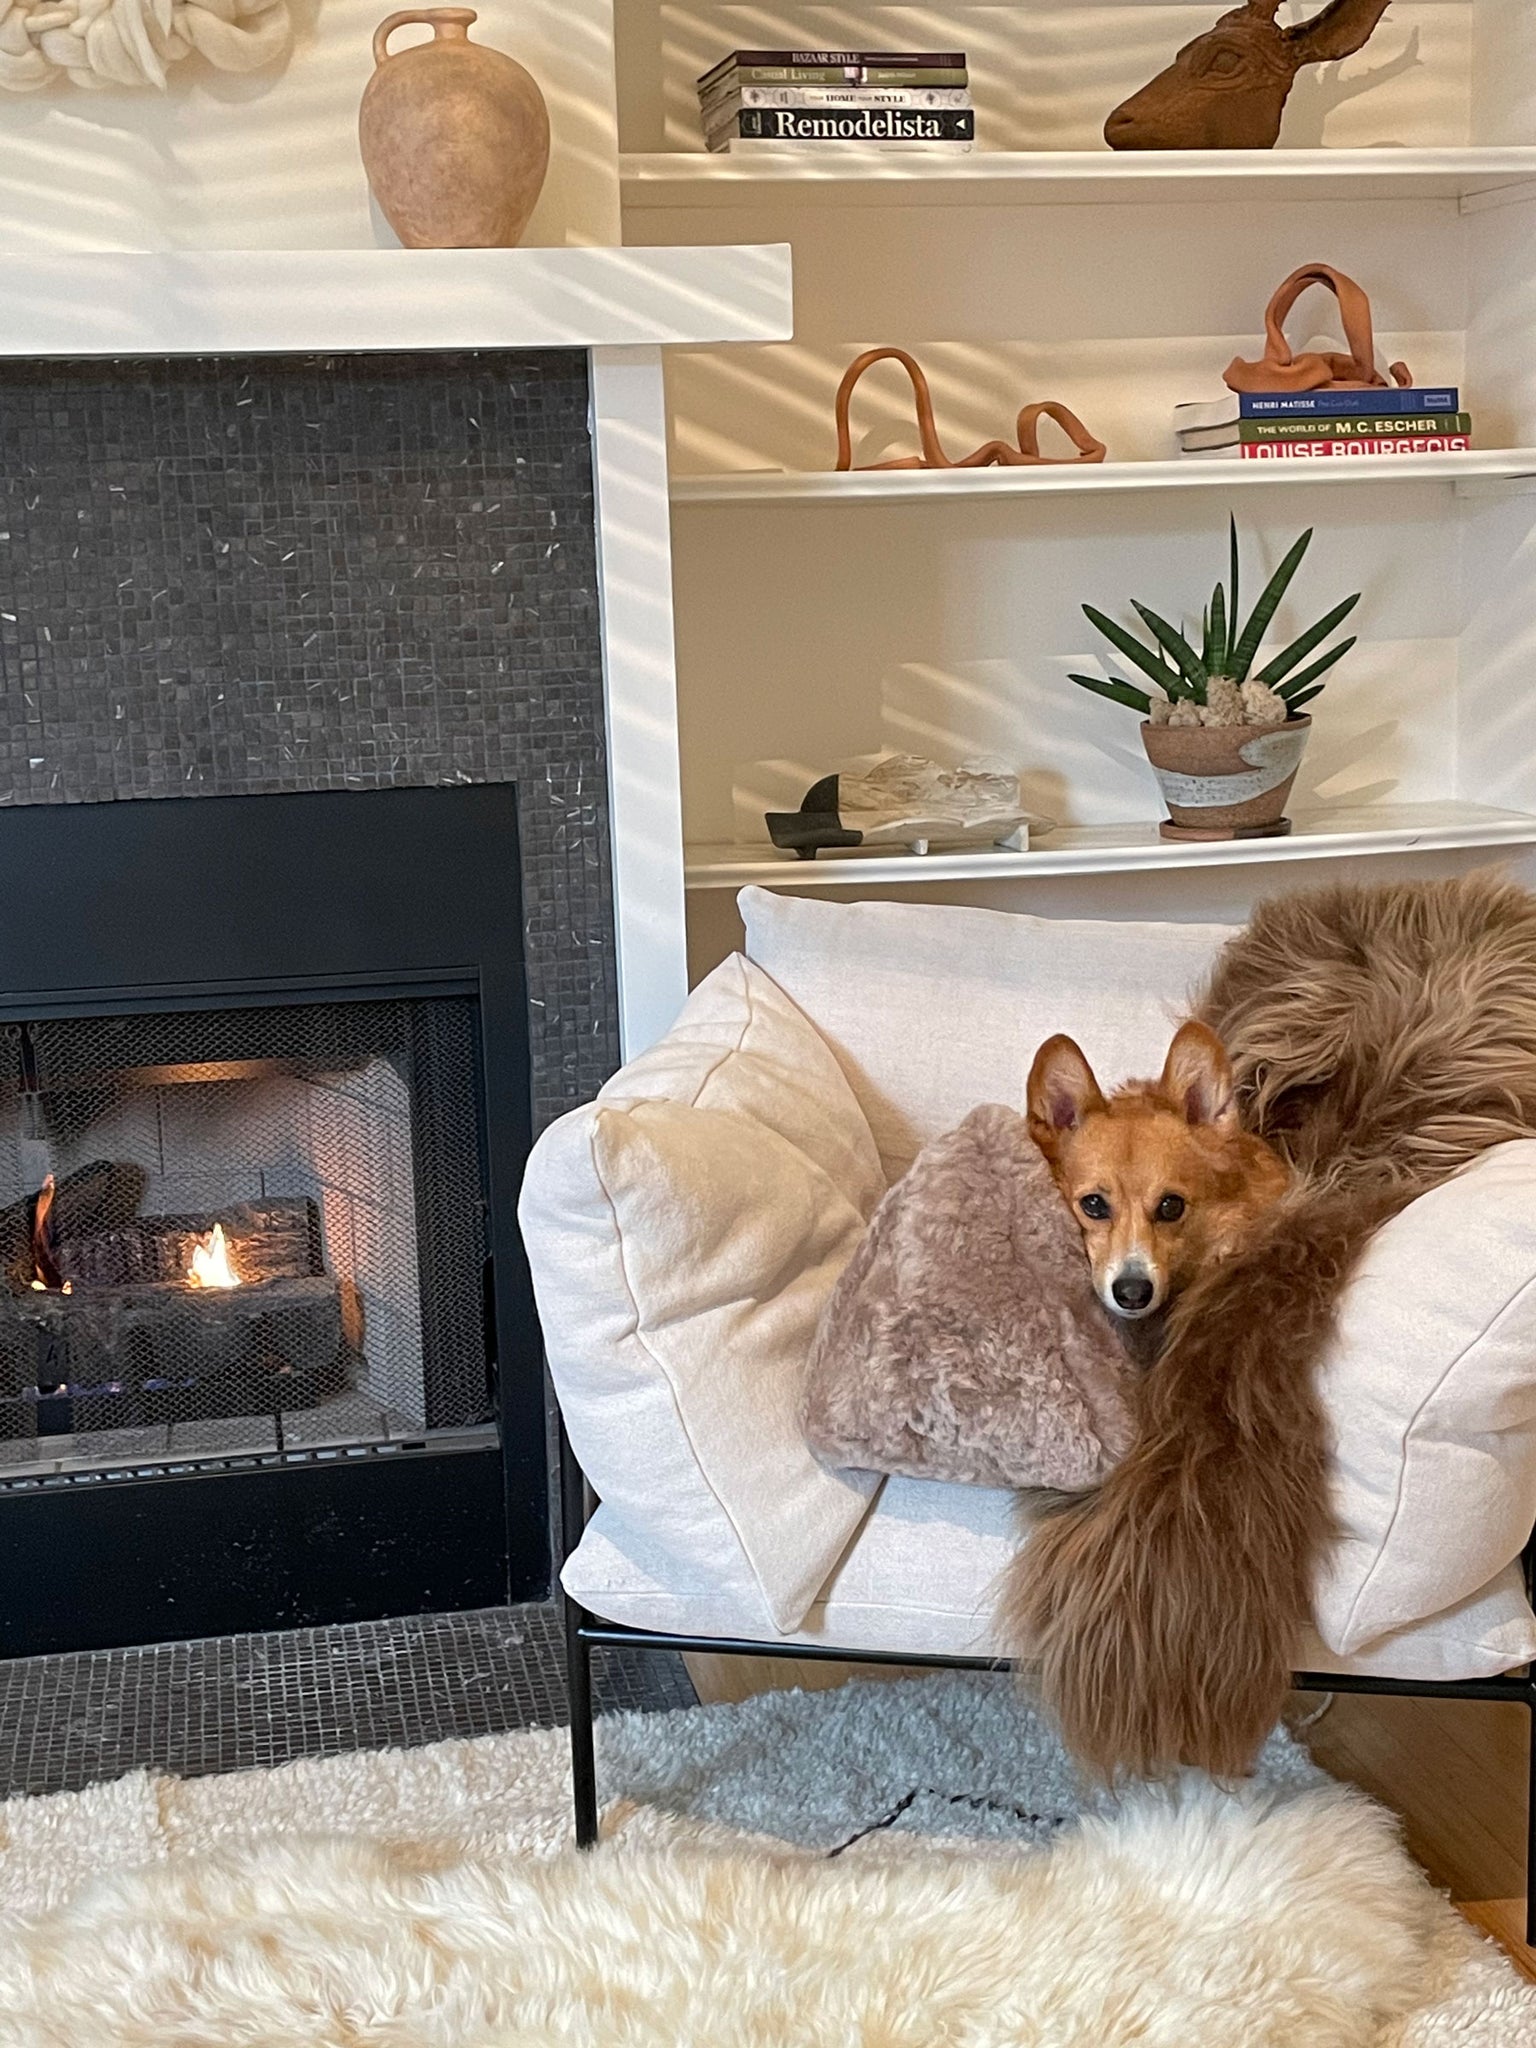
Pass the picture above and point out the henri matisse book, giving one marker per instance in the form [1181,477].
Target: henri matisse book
[1257,405]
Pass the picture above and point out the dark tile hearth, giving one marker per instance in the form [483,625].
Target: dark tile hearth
[244,1702]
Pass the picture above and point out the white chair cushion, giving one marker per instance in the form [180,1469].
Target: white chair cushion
[1430,1389]
[683,1233]
[921,1578]
[932,1008]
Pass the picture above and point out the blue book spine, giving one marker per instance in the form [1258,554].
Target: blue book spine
[1259,405]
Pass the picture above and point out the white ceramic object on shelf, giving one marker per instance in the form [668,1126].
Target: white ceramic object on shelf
[901,800]
[131,43]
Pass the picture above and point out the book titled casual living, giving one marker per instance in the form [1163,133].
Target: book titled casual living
[768,67]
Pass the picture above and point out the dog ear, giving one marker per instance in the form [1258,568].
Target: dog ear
[1061,1092]
[1197,1078]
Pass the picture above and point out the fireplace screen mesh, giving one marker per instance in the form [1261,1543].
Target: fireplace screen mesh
[246,1229]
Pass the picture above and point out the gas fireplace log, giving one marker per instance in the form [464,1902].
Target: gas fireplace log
[102,1196]
[134,1355]
[277,1238]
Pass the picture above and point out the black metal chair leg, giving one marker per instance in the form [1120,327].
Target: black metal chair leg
[578,1686]
[1530,1823]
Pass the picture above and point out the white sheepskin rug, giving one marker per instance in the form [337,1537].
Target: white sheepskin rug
[423,1900]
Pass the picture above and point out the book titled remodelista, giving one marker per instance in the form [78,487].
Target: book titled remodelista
[856,124]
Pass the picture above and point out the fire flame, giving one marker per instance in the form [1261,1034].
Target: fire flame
[46,1278]
[210,1265]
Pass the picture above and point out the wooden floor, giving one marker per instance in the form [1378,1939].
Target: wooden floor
[1455,1770]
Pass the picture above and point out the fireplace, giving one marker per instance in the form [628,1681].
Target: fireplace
[266,1348]
[303,796]
[236,1230]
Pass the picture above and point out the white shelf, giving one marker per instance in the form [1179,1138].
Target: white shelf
[286,301]
[1476,469]
[1117,849]
[997,177]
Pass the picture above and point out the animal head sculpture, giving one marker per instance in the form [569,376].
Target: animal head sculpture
[1227,89]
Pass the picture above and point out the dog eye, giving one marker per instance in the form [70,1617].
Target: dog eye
[1170,1209]
[1095,1207]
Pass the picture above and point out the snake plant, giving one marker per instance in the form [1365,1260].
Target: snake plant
[1211,680]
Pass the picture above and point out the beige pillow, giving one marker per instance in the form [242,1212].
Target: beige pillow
[963,1340]
[684,1232]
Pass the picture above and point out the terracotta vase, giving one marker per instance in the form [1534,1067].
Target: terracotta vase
[1226,781]
[455,137]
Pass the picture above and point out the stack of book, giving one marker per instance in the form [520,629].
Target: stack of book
[1268,426]
[878,99]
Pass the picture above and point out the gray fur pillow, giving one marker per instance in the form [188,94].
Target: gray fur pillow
[964,1340]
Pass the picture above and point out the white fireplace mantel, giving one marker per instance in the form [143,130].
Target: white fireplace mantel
[306,301]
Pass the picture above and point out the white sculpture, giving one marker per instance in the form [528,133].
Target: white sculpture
[904,800]
[105,43]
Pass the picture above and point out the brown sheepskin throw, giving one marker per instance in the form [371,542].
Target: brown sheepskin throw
[1381,1039]
[964,1341]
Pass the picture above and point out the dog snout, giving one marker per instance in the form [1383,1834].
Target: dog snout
[1132,1292]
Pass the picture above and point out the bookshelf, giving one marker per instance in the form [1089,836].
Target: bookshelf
[819,616]
[1471,177]
[1087,850]
[1485,468]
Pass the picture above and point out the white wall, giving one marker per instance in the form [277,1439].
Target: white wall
[1119,311]
[271,161]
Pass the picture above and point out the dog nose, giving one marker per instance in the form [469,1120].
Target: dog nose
[1131,1291]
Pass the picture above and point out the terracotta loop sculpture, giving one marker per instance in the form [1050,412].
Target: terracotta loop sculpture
[1228,88]
[455,137]
[1317,370]
[1025,448]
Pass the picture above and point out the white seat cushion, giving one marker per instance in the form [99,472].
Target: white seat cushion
[932,1009]
[921,1577]
[1430,1391]
[683,1233]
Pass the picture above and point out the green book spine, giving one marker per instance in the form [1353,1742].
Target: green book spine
[1348,426]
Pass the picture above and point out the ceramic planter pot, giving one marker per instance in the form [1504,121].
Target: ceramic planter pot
[455,137]
[1226,781]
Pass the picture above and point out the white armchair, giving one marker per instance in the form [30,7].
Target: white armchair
[685,1229]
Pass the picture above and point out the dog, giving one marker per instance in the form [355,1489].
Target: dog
[1160,1176]
[1381,1038]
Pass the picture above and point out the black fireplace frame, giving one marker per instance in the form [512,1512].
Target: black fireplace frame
[194,903]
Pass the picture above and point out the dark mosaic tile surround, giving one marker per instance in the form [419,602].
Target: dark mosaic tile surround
[265,574]
[245,1702]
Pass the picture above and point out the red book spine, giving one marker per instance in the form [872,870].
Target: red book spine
[1360,444]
